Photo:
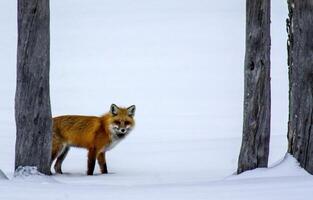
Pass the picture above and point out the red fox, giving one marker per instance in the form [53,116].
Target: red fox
[96,134]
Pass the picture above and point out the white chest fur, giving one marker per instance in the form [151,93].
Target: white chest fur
[114,140]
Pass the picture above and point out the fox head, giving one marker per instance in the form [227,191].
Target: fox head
[122,120]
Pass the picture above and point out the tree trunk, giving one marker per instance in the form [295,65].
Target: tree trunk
[300,61]
[32,98]
[257,90]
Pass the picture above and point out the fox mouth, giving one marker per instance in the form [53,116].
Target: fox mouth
[120,135]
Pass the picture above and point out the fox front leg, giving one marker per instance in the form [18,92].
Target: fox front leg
[91,161]
[102,163]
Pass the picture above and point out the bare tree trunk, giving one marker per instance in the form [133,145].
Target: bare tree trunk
[257,90]
[300,61]
[32,98]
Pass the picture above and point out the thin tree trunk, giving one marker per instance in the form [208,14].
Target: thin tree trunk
[32,98]
[300,61]
[257,90]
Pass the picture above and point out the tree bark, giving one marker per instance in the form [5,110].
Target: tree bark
[300,61]
[257,90]
[32,98]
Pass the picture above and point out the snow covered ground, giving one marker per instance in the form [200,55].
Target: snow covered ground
[181,63]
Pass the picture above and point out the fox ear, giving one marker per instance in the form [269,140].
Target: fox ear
[114,109]
[131,110]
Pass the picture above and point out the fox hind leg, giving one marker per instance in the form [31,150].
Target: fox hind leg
[53,156]
[60,159]
[57,147]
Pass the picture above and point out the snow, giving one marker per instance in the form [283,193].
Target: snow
[285,167]
[27,171]
[30,174]
[181,63]
[2,175]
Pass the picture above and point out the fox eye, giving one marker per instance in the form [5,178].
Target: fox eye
[127,123]
[117,122]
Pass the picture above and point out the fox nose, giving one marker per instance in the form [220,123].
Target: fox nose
[123,130]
